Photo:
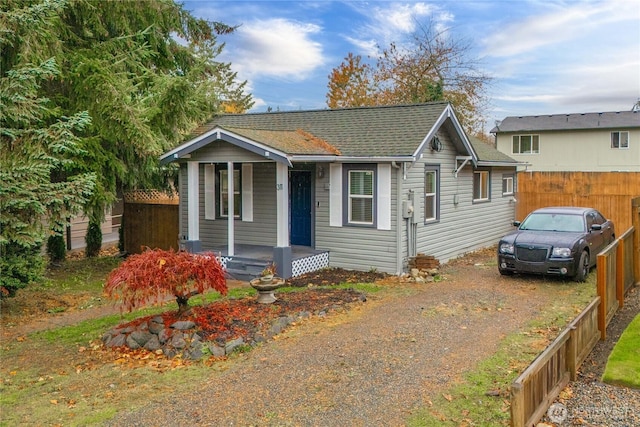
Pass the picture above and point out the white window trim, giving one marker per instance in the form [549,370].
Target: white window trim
[508,178]
[435,194]
[520,144]
[351,197]
[620,147]
[487,187]
[210,196]
[237,191]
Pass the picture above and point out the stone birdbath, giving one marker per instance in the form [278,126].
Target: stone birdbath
[265,288]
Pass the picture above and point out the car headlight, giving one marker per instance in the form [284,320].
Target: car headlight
[561,252]
[506,248]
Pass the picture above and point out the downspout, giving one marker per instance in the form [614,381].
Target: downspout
[399,222]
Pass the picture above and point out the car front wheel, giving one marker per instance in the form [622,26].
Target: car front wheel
[583,267]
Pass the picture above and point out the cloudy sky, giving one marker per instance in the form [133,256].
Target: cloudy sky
[545,57]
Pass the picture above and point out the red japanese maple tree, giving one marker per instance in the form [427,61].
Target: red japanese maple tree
[154,274]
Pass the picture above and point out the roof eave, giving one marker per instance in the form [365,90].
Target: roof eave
[448,113]
[501,163]
[219,133]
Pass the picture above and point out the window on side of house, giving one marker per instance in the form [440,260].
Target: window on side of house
[223,177]
[360,193]
[431,193]
[507,185]
[619,139]
[480,186]
[526,144]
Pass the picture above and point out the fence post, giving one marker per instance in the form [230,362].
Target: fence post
[572,352]
[620,279]
[601,269]
[517,405]
[635,221]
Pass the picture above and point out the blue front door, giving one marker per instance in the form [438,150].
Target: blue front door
[300,186]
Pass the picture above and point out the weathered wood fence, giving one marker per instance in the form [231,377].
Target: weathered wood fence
[609,192]
[618,268]
[150,220]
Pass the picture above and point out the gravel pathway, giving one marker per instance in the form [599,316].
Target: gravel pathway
[590,402]
[372,366]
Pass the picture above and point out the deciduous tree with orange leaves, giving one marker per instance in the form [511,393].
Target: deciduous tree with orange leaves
[431,66]
[155,274]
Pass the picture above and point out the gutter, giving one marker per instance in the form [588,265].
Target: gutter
[350,159]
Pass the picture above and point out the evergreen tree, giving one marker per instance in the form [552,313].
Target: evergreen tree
[34,144]
[145,71]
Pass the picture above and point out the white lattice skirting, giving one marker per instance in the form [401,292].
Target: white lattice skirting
[308,264]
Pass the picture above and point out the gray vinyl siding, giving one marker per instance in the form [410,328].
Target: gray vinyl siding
[355,248]
[465,226]
[262,230]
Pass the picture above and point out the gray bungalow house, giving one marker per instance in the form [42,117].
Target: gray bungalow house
[357,188]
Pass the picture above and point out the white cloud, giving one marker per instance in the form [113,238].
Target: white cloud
[578,57]
[390,23]
[366,47]
[558,26]
[277,48]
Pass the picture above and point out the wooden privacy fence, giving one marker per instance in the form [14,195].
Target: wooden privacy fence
[150,220]
[609,192]
[618,268]
[534,390]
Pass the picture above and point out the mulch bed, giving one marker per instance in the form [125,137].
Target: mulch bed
[246,318]
[335,276]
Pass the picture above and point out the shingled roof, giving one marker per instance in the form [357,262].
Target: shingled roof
[373,131]
[367,132]
[608,120]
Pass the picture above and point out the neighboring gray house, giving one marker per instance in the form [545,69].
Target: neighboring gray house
[358,188]
[587,142]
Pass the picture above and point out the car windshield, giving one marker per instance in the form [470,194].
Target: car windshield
[553,222]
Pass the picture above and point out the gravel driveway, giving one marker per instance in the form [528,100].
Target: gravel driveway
[372,366]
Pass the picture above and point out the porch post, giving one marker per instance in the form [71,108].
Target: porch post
[282,251]
[231,240]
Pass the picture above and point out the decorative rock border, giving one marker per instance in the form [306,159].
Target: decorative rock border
[182,337]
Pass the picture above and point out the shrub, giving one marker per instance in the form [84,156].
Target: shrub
[19,266]
[154,274]
[56,248]
[93,239]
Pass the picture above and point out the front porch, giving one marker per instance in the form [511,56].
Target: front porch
[248,261]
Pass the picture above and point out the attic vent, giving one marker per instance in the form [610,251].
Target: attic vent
[436,145]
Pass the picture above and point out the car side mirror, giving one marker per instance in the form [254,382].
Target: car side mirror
[516,223]
[596,227]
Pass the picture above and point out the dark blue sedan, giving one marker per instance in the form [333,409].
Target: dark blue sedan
[563,241]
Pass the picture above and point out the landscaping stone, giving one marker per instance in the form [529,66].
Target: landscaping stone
[216,350]
[183,325]
[233,344]
[153,344]
[182,337]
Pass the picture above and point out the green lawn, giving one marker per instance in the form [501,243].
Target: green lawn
[623,366]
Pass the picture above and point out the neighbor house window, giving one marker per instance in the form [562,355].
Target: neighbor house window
[526,144]
[431,193]
[619,139]
[360,195]
[507,185]
[480,186]
[224,193]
